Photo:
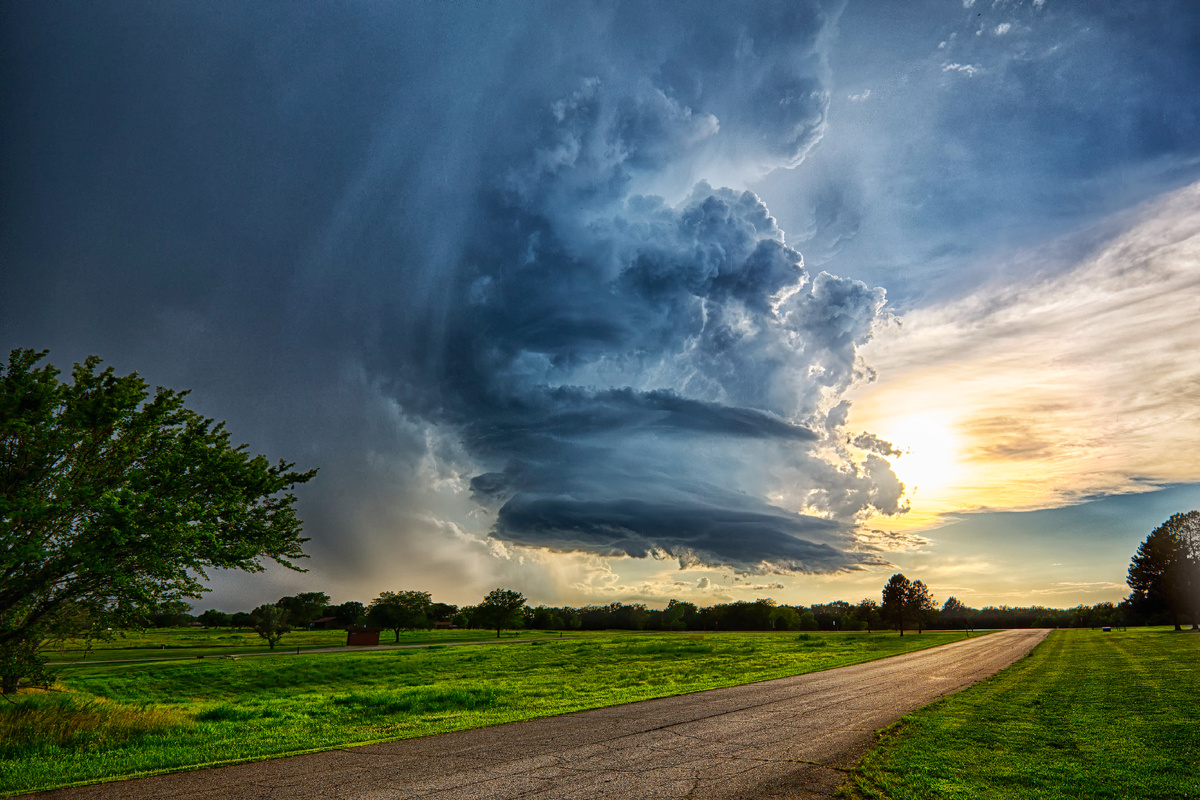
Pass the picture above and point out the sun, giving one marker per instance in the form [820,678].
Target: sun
[929,447]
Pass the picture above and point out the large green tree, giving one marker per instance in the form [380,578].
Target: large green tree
[113,501]
[303,608]
[1164,573]
[501,609]
[400,611]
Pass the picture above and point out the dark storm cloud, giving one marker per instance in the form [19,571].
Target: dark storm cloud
[765,539]
[475,233]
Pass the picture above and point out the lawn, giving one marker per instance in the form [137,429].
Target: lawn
[1087,714]
[175,643]
[142,718]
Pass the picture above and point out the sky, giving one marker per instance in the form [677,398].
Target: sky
[624,302]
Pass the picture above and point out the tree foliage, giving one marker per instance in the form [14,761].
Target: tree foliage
[399,611]
[305,607]
[1164,573]
[501,609]
[920,604]
[955,613]
[113,502]
[271,623]
[906,602]
[351,612]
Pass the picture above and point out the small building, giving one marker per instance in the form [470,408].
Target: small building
[324,624]
[357,636]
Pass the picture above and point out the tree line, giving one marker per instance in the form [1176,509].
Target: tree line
[903,605]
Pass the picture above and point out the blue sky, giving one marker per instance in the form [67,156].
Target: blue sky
[624,301]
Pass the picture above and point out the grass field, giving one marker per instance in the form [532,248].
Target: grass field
[142,718]
[169,643]
[1088,714]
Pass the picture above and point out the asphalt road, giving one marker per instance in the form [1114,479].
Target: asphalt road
[788,738]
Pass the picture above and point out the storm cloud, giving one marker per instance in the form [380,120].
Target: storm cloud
[484,260]
[610,355]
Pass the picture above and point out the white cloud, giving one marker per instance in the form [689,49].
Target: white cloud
[1075,382]
[860,97]
[1003,28]
[970,70]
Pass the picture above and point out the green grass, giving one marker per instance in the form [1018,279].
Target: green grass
[174,643]
[1087,714]
[167,716]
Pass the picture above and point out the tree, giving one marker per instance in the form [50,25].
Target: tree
[500,609]
[867,612]
[678,615]
[170,614]
[271,623]
[399,611]
[215,619]
[894,607]
[906,601]
[443,612]
[351,612]
[920,603]
[112,502]
[1165,571]
[955,613]
[305,607]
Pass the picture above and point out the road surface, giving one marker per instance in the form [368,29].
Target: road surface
[788,738]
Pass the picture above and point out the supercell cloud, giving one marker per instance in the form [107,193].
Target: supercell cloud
[619,366]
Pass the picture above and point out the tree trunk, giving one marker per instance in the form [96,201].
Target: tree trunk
[497,633]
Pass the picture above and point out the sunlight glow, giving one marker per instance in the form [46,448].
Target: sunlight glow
[930,451]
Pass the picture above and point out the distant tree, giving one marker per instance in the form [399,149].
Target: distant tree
[215,619]
[500,609]
[920,604]
[678,615]
[113,502]
[955,613]
[400,611]
[304,608]
[867,612]
[351,612]
[442,612]
[1165,571]
[546,619]
[242,619]
[271,623]
[895,601]
[170,614]
[786,618]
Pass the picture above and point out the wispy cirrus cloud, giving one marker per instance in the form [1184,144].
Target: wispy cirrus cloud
[1063,387]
